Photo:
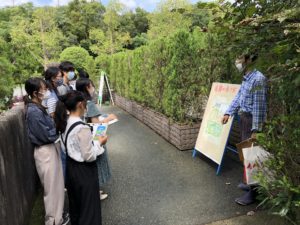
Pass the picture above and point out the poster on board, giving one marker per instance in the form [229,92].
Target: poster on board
[213,135]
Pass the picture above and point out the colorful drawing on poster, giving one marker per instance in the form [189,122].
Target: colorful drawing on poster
[213,129]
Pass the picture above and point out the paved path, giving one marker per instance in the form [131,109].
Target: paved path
[155,184]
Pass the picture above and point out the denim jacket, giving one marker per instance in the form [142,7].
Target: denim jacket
[40,126]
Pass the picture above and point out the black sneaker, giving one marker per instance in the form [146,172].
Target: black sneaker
[66,218]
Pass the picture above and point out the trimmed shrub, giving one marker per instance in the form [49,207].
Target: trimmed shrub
[81,59]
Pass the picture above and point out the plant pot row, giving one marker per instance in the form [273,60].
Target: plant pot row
[182,136]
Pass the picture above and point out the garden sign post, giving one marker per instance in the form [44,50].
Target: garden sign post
[213,135]
[104,81]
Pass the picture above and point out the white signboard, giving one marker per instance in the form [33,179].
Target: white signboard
[213,135]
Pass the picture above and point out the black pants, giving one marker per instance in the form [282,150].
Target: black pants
[83,191]
[245,125]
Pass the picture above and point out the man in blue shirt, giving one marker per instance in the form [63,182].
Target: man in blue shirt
[251,105]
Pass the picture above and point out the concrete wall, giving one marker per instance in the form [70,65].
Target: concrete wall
[18,177]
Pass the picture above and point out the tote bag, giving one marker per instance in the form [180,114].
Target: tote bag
[253,162]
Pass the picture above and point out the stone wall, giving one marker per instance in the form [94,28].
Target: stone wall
[18,177]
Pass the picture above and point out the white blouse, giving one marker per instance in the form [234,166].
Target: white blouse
[81,146]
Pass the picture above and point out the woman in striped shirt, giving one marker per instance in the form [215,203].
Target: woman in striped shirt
[54,79]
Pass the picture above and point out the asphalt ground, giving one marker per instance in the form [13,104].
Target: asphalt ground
[153,183]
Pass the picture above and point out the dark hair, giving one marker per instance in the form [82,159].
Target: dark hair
[66,66]
[83,73]
[32,85]
[67,102]
[50,73]
[81,85]
[253,57]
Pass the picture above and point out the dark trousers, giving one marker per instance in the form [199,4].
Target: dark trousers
[245,126]
[83,191]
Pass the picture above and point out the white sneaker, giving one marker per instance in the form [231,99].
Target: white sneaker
[101,192]
[103,196]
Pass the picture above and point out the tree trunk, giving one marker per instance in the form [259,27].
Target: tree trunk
[46,60]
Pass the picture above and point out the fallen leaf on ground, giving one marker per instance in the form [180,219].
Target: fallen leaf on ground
[251,213]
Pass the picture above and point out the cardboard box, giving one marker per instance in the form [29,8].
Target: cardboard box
[244,144]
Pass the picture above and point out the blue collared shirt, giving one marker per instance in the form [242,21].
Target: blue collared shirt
[252,98]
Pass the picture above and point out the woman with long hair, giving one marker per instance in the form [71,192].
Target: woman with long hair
[81,171]
[54,79]
[42,134]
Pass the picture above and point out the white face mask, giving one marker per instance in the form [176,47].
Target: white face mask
[46,94]
[71,75]
[240,67]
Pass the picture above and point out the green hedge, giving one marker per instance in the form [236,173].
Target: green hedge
[170,75]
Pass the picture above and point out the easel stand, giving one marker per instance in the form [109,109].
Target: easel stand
[104,81]
[228,148]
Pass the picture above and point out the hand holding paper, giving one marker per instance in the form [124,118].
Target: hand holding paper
[103,139]
[108,118]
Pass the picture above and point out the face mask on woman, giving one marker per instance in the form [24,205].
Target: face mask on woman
[71,75]
[46,94]
[59,82]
